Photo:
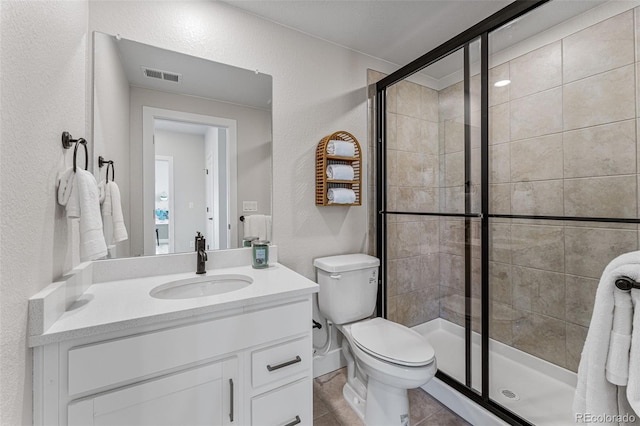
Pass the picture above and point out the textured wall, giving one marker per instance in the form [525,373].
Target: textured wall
[310,99]
[318,88]
[42,80]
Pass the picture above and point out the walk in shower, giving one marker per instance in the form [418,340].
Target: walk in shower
[506,180]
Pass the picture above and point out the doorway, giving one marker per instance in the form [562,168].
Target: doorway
[203,195]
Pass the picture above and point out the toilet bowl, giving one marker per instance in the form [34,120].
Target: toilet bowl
[384,359]
[404,359]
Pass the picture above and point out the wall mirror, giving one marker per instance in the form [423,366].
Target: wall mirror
[191,143]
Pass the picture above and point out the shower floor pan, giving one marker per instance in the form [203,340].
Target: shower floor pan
[537,390]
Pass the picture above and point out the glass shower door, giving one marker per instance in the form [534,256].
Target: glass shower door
[431,208]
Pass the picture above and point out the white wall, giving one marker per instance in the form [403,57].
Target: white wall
[43,92]
[189,203]
[318,88]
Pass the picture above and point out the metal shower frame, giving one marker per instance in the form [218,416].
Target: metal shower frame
[463,41]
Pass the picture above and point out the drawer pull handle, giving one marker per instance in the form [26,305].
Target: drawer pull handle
[294,421]
[285,364]
[231,400]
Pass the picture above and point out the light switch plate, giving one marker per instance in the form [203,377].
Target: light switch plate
[249,206]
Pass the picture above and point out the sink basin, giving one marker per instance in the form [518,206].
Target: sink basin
[201,286]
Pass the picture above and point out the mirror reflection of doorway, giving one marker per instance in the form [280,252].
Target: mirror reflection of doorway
[164,205]
[200,175]
[205,165]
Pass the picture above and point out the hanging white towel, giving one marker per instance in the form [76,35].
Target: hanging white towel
[102,191]
[112,207]
[340,172]
[68,195]
[595,394]
[92,243]
[617,369]
[341,196]
[341,148]
[633,387]
[258,225]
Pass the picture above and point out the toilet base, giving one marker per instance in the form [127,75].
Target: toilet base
[384,405]
[355,401]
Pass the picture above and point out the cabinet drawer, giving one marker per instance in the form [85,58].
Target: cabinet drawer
[288,405]
[110,363]
[280,361]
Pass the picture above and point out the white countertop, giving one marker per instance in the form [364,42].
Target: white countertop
[123,304]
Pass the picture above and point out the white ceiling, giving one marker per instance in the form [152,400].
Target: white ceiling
[396,31]
[400,31]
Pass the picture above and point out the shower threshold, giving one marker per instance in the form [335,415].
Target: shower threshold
[536,390]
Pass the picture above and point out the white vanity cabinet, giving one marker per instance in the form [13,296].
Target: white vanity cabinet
[199,396]
[250,365]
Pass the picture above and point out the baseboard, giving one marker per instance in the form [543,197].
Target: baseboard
[332,361]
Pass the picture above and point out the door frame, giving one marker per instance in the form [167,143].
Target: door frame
[149,115]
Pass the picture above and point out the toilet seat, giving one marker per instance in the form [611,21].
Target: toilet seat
[392,342]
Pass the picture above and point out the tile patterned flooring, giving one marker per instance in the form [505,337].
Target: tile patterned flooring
[331,409]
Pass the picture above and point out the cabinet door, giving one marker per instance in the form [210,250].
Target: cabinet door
[206,395]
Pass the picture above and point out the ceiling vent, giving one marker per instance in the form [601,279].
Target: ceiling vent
[162,75]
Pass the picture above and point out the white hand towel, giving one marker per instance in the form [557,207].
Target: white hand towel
[340,172]
[341,196]
[67,194]
[258,225]
[341,148]
[102,191]
[617,369]
[594,393]
[92,243]
[112,206]
[633,388]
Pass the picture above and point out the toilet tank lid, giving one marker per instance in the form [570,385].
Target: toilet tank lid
[346,262]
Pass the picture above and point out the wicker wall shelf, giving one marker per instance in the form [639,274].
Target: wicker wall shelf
[324,159]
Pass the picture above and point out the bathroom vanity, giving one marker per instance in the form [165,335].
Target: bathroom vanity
[118,355]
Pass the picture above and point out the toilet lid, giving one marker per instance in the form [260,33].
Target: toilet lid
[392,342]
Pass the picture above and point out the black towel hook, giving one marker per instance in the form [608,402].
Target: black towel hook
[626,284]
[67,141]
[102,162]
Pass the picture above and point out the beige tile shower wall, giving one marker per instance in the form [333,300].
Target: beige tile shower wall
[563,142]
[413,183]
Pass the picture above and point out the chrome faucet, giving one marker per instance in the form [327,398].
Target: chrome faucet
[202,254]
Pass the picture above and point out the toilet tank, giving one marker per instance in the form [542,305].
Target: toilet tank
[348,286]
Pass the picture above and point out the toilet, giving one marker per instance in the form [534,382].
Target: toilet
[384,359]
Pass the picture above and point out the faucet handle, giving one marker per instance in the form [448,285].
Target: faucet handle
[199,242]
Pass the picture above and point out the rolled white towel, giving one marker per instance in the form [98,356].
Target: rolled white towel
[341,148]
[340,172]
[341,196]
